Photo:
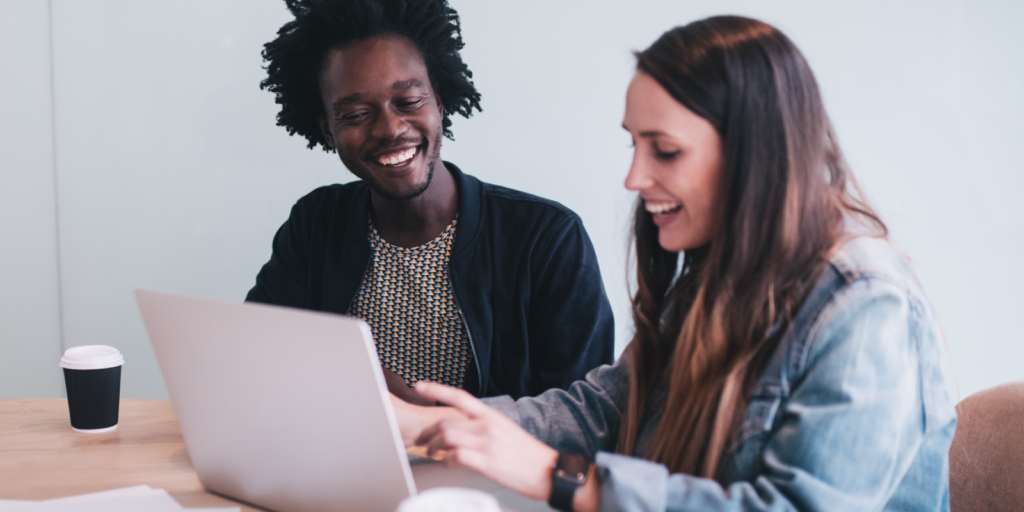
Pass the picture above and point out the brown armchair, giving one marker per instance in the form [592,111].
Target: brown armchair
[986,460]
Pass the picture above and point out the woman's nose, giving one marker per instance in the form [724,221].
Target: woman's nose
[638,178]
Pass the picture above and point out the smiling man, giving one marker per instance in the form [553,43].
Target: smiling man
[462,282]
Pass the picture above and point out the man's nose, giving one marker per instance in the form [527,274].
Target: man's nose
[389,125]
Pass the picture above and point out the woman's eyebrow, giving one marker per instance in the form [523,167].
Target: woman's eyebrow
[652,134]
[647,134]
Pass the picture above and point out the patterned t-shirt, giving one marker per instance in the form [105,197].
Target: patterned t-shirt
[407,299]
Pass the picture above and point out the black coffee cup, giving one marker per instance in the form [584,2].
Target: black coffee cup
[92,376]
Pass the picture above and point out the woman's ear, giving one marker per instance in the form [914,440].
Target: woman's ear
[325,131]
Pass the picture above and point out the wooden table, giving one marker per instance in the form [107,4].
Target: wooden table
[42,458]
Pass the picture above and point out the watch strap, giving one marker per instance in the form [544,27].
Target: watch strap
[568,474]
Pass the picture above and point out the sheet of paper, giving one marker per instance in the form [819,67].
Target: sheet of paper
[137,490]
[151,502]
[11,505]
[128,499]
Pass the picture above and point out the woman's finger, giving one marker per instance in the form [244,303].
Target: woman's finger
[455,434]
[428,434]
[466,457]
[431,431]
[457,398]
[436,444]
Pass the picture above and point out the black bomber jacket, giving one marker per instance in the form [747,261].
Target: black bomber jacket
[523,272]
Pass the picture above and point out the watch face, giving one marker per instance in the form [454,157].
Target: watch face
[572,467]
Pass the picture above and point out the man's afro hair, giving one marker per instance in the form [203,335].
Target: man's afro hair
[295,57]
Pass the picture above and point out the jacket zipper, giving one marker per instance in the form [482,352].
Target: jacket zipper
[469,334]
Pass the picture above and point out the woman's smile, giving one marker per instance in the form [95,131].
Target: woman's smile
[663,212]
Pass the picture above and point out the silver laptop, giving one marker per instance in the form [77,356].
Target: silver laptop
[283,408]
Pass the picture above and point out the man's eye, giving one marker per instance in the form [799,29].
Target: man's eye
[354,116]
[410,105]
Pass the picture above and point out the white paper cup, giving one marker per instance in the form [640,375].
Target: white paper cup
[450,499]
[92,377]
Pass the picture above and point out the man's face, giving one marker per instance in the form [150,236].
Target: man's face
[382,114]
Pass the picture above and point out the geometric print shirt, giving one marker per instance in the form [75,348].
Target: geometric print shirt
[407,300]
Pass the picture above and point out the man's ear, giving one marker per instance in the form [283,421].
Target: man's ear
[325,131]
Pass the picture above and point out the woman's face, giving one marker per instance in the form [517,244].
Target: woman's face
[677,165]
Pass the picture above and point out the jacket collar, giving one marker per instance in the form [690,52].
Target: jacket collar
[470,208]
[470,201]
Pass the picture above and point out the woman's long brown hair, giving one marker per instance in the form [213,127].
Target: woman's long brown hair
[715,320]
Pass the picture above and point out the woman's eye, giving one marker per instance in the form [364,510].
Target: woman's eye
[666,156]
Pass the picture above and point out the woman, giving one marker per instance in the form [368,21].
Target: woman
[785,357]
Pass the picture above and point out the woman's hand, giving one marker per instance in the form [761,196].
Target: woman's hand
[413,419]
[398,387]
[488,442]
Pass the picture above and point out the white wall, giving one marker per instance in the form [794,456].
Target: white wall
[171,174]
[30,343]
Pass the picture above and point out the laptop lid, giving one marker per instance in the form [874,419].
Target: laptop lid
[283,408]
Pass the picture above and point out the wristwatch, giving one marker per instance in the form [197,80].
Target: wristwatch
[567,474]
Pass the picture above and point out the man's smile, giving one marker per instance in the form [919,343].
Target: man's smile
[397,158]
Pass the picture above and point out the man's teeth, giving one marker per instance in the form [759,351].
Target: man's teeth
[661,207]
[397,158]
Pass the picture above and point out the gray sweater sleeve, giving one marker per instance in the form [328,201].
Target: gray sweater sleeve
[585,419]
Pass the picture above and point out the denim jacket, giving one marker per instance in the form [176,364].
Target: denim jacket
[851,413]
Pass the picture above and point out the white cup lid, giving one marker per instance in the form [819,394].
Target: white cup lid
[91,357]
[450,499]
